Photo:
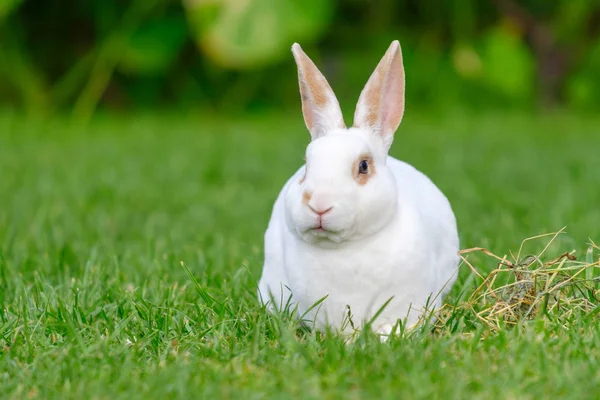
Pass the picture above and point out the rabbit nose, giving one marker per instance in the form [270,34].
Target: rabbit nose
[320,211]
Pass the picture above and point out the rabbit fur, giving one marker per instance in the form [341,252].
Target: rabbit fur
[354,225]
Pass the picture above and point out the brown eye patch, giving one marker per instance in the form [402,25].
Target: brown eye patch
[363,168]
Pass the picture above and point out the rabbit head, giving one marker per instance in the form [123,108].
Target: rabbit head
[345,191]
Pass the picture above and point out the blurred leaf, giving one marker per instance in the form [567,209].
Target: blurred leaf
[18,68]
[571,19]
[8,6]
[581,90]
[463,19]
[508,65]
[466,61]
[154,46]
[105,14]
[583,87]
[241,34]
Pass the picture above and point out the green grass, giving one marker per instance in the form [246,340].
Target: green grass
[95,222]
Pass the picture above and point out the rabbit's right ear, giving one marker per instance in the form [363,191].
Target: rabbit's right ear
[320,107]
[381,103]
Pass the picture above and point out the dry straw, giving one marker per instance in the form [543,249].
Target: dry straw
[528,287]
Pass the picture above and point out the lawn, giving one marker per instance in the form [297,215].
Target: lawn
[96,222]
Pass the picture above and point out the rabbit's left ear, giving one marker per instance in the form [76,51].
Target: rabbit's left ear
[320,107]
[381,103]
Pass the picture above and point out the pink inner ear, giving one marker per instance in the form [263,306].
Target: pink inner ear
[381,104]
[393,96]
[393,109]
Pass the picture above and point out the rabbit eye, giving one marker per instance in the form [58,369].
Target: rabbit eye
[366,169]
[363,167]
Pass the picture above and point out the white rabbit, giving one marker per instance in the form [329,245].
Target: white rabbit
[355,224]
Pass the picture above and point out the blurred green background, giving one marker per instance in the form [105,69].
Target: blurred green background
[78,57]
[195,125]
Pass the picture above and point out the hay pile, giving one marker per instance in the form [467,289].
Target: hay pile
[528,287]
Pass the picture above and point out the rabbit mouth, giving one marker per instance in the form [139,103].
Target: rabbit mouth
[318,233]
[320,228]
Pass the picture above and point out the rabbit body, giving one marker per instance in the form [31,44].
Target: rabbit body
[413,260]
[355,226]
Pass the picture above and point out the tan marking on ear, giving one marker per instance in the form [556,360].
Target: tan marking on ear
[362,179]
[319,105]
[372,118]
[316,86]
[306,196]
[373,95]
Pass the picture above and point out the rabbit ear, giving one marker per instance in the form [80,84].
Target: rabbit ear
[381,103]
[319,105]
